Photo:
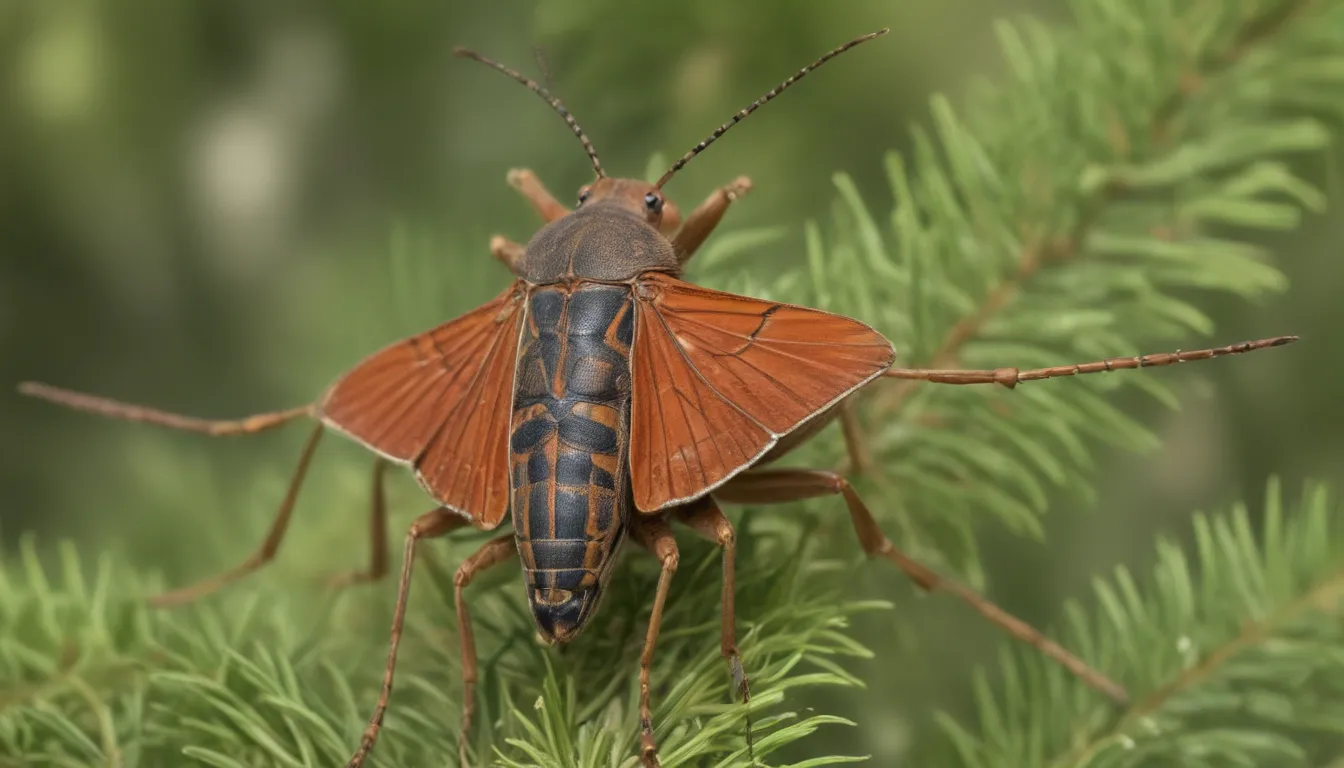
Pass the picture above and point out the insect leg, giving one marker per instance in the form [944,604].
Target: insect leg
[495,551]
[527,183]
[706,217]
[653,534]
[268,547]
[377,535]
[1010,377]
[705,518]
[429,525]
[860,460]
[118,410]
[506,251]
[770,486]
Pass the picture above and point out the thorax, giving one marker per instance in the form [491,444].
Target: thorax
[603,244]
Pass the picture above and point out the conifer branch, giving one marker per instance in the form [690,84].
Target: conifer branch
[1271,679]
[1323,597]
[1040,253]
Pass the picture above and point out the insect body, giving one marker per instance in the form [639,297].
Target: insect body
[571,410]
[601,397]
[569,444]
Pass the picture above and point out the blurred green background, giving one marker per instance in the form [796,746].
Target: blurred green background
[216,207]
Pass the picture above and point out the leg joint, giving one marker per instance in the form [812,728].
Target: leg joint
[835,483]
[462,577]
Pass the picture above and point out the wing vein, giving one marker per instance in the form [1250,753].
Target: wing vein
[744,373]
[441,402]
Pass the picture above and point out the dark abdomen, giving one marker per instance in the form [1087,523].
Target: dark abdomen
[569,476]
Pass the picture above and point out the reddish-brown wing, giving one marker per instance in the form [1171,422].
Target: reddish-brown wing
[441,401]
[719,378]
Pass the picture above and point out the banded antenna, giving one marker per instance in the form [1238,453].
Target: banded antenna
[755,105]
[555,102]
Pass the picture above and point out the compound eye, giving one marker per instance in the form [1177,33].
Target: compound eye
[653,202]
[583,194]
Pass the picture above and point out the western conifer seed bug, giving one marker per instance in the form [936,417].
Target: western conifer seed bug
[600,396]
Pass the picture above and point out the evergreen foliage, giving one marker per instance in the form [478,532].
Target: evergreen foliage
[1235,648]
[1080,208]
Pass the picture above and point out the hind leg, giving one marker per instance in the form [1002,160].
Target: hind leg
[705,518]
[778,486]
